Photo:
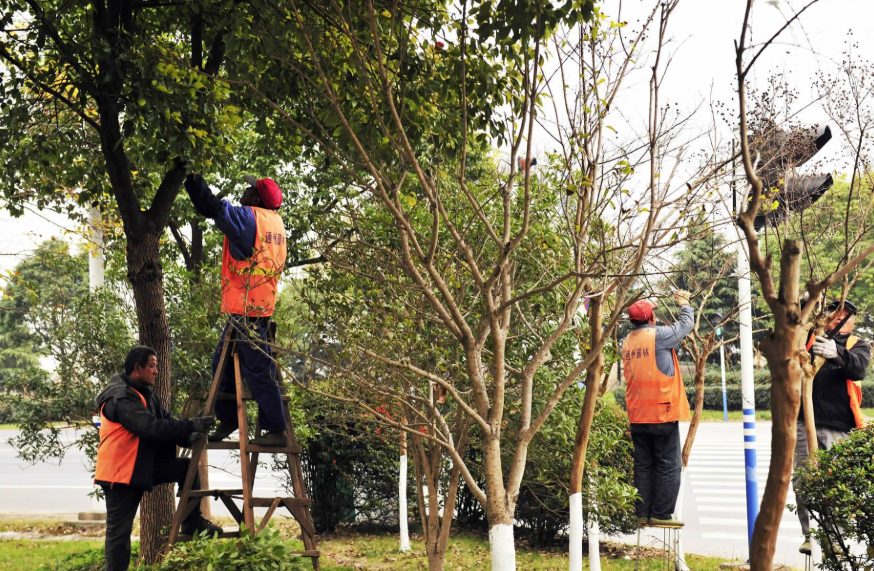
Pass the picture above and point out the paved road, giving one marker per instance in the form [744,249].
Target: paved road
[53,488]
[714,496]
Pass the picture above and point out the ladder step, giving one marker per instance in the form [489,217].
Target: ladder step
[235,445]
[267,502]
[210,493]
[311,553]
[246,396]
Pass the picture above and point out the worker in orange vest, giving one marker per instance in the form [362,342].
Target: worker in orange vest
[656,401]
[137,451]
[253,256]
[836,396]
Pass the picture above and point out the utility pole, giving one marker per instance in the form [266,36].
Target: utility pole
[747,388]
[95,254]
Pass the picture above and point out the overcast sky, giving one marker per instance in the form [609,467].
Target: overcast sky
[702,33]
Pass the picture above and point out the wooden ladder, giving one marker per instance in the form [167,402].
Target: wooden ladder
[298,505]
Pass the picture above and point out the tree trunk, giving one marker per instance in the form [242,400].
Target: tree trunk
[146,277]
[503,550]
[782,352]
[402,495]
[499,509]
[581,441]
[699,403]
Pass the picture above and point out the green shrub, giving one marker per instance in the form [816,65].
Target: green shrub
[837,489]
[262,552]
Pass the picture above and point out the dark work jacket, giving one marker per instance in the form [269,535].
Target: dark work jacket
[158,431]
[831,401]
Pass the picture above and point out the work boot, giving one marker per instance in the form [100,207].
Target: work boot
[222,431]
[805,547]
[270,439]
[656,522]
[200,524]
[642,521]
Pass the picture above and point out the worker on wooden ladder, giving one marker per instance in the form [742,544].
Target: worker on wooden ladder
[253,257]
[656,400]
[137,451]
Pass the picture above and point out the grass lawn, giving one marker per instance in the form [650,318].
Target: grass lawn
[350,551]
[40,555]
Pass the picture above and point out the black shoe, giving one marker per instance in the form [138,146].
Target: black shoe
[222,431]
[270,439]
[201,525]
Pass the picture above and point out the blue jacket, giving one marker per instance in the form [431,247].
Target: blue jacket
[235,222]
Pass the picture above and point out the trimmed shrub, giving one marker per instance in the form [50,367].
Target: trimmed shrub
[837,489]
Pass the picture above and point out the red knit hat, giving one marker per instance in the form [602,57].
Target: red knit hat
[269,191]
[641,310]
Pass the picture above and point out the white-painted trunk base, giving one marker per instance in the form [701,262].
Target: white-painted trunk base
[575,533]
[594,545]
[402,505]
[679,553]
[502,547]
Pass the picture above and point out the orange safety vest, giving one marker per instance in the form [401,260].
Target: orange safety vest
[651,396]
[854,388]
[117,451]
[249,286]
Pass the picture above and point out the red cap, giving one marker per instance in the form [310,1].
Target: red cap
[641,310]
[271,195]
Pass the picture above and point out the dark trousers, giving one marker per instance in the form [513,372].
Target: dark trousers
[657,468]
[121,507]
[825,438]
[258,369]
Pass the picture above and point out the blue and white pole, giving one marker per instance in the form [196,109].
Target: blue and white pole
[747,386]
[722,367]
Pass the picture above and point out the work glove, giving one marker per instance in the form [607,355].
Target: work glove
[194,437]
[203,423]
[824,347]
[682,297]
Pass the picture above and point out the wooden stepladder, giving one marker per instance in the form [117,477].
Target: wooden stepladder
[298,505]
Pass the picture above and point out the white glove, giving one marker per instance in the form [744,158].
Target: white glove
[824,347]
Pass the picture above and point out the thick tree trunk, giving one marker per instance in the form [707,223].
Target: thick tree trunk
[146,277]
[783,355]
[581,441]
[499,509]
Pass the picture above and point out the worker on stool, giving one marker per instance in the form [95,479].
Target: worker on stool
[137,450]
[656,401]
[253,256]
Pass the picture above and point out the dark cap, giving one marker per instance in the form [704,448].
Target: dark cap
[848,305]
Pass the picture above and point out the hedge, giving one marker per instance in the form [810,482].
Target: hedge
[713,396]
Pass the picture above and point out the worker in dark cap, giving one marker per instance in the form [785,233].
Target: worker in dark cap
[656,401]
[253,257]
[837,397]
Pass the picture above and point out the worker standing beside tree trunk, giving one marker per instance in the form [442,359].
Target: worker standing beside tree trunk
[656,402]
[836,397]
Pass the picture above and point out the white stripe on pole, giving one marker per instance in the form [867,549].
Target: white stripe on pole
[747,388]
